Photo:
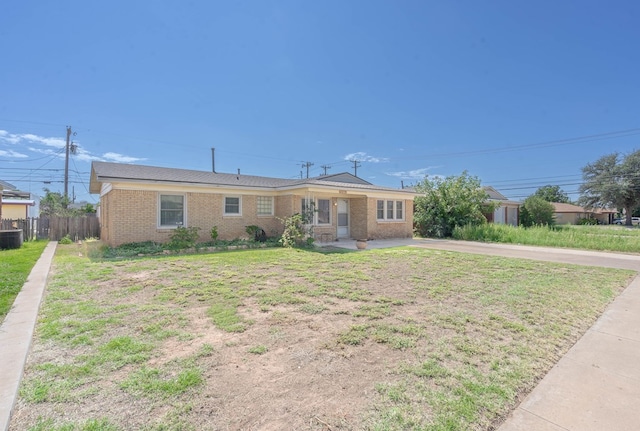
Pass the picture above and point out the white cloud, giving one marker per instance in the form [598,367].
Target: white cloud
[364,157]
[115,157]
[11,153]
[50,142]
[8,138]
[416,174]
[32,141]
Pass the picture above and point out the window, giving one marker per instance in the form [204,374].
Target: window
[316,212]
[264,205]
[324,211]
[380,210]
[232,205]
[171,210]
[390,210]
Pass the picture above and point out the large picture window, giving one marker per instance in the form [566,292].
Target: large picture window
[264,205]
[171,210]
[232,205]
[390,210]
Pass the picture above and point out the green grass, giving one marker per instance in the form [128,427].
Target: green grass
[460,336]
[88,425]
[15,266]
[604,238]
[154,382]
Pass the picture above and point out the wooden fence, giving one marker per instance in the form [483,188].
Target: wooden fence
[55,228]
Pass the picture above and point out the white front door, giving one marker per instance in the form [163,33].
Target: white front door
[343,218]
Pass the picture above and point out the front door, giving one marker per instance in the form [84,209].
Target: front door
[343,218]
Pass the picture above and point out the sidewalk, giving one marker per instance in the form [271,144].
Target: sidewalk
[16,333]
[596,385]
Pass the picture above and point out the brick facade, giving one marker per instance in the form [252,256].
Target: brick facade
[132,216]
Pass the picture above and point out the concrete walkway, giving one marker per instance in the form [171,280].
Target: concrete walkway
[596,385]
[16,333]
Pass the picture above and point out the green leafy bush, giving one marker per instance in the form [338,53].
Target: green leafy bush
[588,221]
[214,233]
[295,232]
[65,240]
[183,237]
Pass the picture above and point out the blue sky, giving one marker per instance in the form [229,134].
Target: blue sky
[520,94]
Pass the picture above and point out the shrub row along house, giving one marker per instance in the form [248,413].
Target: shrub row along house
[146,203]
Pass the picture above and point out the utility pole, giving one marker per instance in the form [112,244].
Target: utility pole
[356,165]
[66,167]
[307,165]
[70,148]
[325,167]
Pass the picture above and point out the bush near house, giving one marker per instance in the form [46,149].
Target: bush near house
[448,203]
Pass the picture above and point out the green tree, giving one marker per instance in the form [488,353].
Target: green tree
[612,181]
[535,211]
[449,202]
[54,204]
[552,194]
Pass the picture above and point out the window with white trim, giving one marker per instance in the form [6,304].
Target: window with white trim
[171,211]
[389,210]
[264,205]
[316,211]
[232,205]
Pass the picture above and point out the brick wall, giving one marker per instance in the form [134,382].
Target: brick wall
[389,229]
[132,216]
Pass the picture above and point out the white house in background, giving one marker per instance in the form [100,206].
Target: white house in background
[507,212]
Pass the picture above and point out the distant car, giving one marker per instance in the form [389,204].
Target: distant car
[634,220]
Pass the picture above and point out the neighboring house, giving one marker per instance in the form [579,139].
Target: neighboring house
[141,203]
[571,214]
[507,212]
[14,204]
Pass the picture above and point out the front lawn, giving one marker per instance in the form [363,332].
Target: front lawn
[386,339]
[15,266]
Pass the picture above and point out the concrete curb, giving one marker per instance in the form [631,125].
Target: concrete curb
[16,333]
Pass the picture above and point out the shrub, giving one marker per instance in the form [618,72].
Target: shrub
[449,202]
[183,237]
[256,233]
[295,232]
[65,240]
[536,211]
[588,221]
[214,233]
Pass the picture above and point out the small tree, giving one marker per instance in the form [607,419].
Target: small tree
[54,204]
[449,202]
[535,211]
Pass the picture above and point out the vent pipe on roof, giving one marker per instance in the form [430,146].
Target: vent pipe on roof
[213,160]
[238,171]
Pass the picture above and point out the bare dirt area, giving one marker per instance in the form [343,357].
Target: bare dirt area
[298,340]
